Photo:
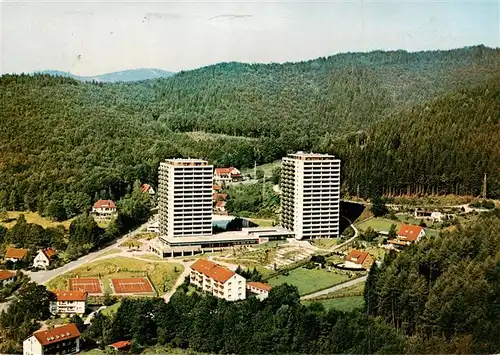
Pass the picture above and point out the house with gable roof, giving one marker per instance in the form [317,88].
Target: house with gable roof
[218,280]
[225,175]
[104,209]
[357,259]
[15,254]
[407,235]
[69,302]
[60,340]
[43,258]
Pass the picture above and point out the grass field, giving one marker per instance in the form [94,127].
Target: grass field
[110,252]
[354,290]
[263,222]
[163,275]
[324,243]
[33,217]
[378,224]
[111,309]
[342,304]
[266,168]
[271,244]
[308,281]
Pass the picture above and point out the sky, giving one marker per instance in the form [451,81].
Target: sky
[90,38]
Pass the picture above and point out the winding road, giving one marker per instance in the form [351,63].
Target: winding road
[44,276]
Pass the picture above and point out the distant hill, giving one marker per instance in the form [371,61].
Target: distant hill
[119,76]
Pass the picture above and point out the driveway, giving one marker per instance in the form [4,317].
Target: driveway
[334,288]
[44,276]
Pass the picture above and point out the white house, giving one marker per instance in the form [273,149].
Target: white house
[357,259]
[218,280]
[69,302]
[42,259]
[15,254]
[61,340]
[259,288]
[225,175]
[7,277]
[104,209]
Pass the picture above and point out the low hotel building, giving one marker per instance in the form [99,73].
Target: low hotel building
[61,340]
[218,280]
[69,302]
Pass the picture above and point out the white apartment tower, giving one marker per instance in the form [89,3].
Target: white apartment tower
[310,200]
[185,198]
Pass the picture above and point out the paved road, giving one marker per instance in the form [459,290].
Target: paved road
[335,288]
[179,281]
[44,276]
[356,234]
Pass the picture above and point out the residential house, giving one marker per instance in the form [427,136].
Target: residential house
[218,280]
[60,340]
[407,235]
[7,277]
[104,209]
[15,254]
[220,207]
[43,258]
[259,288]
[225,175]
[357,259]
[69,302]
[216,188]
[121,345]
[146,188]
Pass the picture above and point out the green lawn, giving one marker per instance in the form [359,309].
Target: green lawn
[263,222]
[325,243]
[354,290]
[308,281]
[266,168]
[111,309]
[378,224]
[161,274]
[342,304]
[32,217]
[271,244]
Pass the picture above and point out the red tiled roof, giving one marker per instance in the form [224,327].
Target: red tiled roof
[55,335]
[49,252]
[213,270]
[219,196]
[6,274]
[220,203]
[357,257]
[259,285]
[104,203]
[15,253]
[145,187]
[70,295]
[224,171]
[122,344]
[409,232]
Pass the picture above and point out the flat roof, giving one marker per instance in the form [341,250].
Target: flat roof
[268,231]
[185,162]
[311,156]
[224,237]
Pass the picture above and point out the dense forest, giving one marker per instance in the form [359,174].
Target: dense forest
[443,293]
[418,123]
[438,296]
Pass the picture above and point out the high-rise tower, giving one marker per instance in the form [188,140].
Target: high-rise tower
[310,195]
[185,198]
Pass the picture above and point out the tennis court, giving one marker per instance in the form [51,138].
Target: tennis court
[91,285]
[132,285]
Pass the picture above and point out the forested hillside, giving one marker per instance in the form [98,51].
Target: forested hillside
[402,122]
[443,292]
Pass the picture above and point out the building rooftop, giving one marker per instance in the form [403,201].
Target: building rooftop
[70,295]
[15,253]
[409,232]
[185,162]
[310,156]
[213,270]
[259,285]
[56,335]
[6,274]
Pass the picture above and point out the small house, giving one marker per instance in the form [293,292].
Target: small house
[261,289]
[225,175]
[357,259]
[104,209]
[7,277]
[43,258]
[122,345]
[15,254]
[407,235]
[146,188]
